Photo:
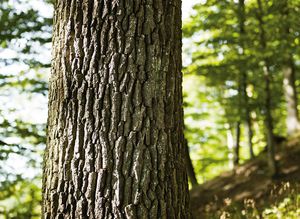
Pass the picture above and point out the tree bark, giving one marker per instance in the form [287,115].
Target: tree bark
[189,166]
[115,127]
[273,165]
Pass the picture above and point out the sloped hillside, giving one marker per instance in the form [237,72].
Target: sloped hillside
[250,186]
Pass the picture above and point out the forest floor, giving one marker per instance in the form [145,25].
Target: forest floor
[249,187]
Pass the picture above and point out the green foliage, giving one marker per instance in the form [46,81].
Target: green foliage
[22,200]
[206,139]
[222,42]
[25,41]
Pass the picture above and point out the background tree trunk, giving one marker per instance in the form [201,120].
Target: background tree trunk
[273,166]
[189,166]
[244,75]
[289,74]
[292,120]
[230,145]
[236,158]
[115,127]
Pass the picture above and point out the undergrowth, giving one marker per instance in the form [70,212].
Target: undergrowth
[283,202]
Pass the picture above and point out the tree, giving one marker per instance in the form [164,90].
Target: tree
[242,86]
[289,70]
[115,128]
[244,74]
[236,158]
[222,56]
[273,166]
[189,166]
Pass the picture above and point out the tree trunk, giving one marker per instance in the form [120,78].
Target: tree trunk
[289,74]
[230,146]
[292,120]
[115,128]
[269,123]
[248,117]
[236,158]
[244,75]
[273,166]
[189,166]
[250,136]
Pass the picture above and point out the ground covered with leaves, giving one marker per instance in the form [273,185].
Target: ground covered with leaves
[249,191]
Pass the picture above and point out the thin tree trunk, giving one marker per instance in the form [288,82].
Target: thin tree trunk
[189,166]
[292,120]
[248,117]
[289,76]
[115,128]
[269,123]
[230,146]
[244,77]
[236,158]
[250,137]
[273,166]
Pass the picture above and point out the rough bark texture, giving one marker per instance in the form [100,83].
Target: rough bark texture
[189,166]
[115,131]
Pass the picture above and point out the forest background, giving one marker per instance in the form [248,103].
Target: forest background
[240,83]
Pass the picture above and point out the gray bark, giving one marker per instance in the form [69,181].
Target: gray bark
[115,127]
